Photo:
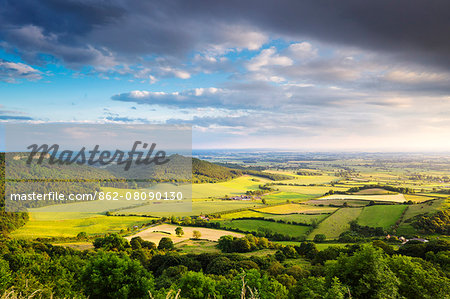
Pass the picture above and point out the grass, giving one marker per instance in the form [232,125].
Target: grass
[381,215]
[339,202]
[295,208]
[199,207]
[280,197]
[197,247]
[405,227]
[417,198]
[300,218]
[320,246]
[309,179]
[373,191]
[257,225]
[382,197]
[233,187]
[337,223]
[309,190]
[100,224]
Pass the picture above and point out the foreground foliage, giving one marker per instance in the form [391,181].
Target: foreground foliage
[118,269]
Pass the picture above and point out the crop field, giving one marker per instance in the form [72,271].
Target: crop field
[197,246]
[155,233]
[336,223]
[200,207]
[417,198]
[300,218]
[253,225]
[295,208]
[338,202]
[309,179]
[100,224]
[279,197]
[373,191]
[383,197]
[381,216]
[314,191]
[233,187]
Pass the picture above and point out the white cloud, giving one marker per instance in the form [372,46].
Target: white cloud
[267,58]
[407,76]
[302,51]
[15,71]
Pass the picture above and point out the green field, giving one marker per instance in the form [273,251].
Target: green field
[309,190]
[296,208]
[200,207]
[338,202]
[337,223]
[308,179]
[233,187]
[405,227]
[381,215]
[319,246]
[197,247]
[99,224]
[280,197]
[381,197]
[300,218]
[257,225]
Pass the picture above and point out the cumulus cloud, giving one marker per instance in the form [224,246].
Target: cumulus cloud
[13,72]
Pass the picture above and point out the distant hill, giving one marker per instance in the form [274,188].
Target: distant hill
[207,172]
[178,169]
[256,171]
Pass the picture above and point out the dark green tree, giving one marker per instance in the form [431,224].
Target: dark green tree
[108,275]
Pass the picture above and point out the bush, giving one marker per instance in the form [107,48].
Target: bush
[319,238]
[108,275]
[165,244]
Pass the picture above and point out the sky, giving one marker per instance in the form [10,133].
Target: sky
[315,75]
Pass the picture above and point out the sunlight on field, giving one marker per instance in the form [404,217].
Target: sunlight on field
[201,207]
[300,218]
[387,197]
[254,225]
[310,190]
[35,228]
[235,186]
[155,233]
[381,216]
[295,208]
[417,198]
[279,197]
[337,223]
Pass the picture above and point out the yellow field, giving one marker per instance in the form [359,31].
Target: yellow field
[311,190]
[155,233]
[233,187]
[382,197]
[100,224]
[295,208]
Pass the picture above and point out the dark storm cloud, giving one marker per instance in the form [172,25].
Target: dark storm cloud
[411,30]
